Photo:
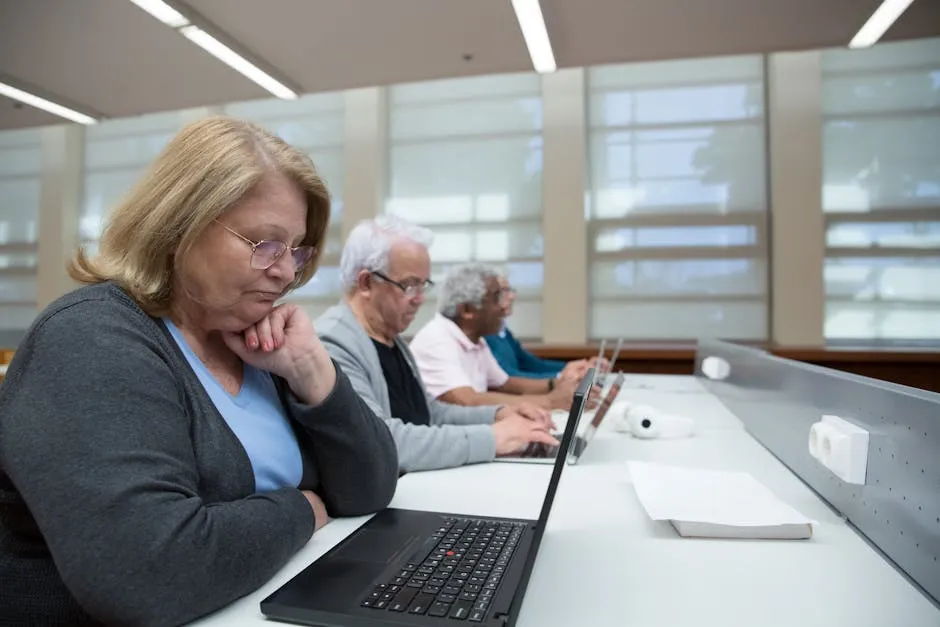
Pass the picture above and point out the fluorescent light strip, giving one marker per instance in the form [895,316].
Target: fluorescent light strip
[46,105]
[879,22]
[532,23]
[163,12]
[173,18]
[231,58]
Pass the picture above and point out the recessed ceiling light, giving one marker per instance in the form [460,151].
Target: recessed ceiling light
[184,25]
[231,58]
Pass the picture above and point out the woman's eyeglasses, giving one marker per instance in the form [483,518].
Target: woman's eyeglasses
[265,253]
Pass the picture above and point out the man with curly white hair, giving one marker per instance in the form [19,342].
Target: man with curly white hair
[385,270]
[456,363]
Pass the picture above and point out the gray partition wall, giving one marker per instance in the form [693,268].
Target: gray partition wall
[898,508]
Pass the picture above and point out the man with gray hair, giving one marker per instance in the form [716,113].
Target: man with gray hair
[385,271]
[456,363]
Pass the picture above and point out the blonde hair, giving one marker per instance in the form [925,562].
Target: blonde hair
[207,168]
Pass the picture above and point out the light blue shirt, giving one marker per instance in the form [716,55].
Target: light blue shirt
[257,417]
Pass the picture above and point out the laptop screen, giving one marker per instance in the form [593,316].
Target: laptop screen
[615,356]
[600,352]
[574,417]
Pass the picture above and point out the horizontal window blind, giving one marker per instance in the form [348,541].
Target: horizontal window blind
[20,186]
[465,160]
[117,153]
[881,193]
[677,205]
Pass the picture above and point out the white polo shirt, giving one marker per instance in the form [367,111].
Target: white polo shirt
[448,359]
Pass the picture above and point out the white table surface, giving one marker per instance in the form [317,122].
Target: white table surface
[604,562]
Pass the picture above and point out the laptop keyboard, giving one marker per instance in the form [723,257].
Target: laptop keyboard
[542,451]
[454,574]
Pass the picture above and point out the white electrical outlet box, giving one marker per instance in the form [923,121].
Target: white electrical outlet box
[840,446]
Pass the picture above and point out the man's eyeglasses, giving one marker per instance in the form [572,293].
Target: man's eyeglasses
[265,253]
[409,288]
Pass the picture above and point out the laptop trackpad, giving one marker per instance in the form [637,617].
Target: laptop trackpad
[371,545]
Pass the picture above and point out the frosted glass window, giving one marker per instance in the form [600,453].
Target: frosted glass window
[881,192]
[678,200]
[20,185]
[117,153]
[465,159]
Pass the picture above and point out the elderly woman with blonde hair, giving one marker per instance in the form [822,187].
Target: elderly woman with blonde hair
[169,435]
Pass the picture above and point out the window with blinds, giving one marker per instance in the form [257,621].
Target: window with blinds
[465,160]
[117,153]
[314,124]
[881,192]
[677,203]
[20,174]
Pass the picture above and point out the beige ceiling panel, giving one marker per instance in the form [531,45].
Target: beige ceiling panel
[111,56]
[591,32]
[335,44]
[15,115]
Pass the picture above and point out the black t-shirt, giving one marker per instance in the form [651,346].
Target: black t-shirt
[404,393]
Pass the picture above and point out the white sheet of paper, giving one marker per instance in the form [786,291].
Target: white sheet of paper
[708,496]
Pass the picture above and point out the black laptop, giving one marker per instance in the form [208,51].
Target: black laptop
[410,567]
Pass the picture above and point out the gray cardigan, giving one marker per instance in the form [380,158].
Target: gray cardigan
[124,496]
[457,435]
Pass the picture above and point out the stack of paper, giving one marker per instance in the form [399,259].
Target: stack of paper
[715,504]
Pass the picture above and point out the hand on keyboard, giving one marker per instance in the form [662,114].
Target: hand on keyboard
[515,433]
[527,410]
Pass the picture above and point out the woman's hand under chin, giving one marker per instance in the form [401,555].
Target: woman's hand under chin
[285,343]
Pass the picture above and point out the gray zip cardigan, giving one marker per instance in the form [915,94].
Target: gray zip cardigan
[124,496]
[457,435]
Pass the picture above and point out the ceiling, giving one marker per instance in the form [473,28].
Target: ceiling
[110,57]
